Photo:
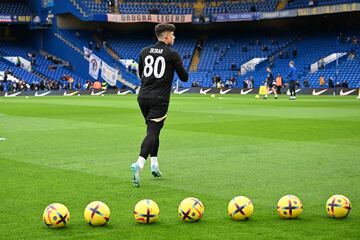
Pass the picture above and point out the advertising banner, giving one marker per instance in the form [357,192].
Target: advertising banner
[155,18]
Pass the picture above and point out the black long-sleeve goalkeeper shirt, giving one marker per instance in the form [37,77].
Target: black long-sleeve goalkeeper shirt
[157,65]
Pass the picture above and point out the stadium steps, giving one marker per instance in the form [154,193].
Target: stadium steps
[41,75]
[195,60]
[67,42]
[281,5]
[44,54]
[108,49]
[79,8]
[199,7]
[116,8]
[112,53]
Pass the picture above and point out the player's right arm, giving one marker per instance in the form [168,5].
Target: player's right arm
[179,68]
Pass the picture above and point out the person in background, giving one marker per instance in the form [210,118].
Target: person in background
[270,83]
[278,83]
[331,82]
[97,85]
[306,83]
[292,76]
[295,52]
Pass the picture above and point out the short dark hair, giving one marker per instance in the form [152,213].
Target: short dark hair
[164,27]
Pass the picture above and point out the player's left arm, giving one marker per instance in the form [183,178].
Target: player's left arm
[140,66]
[179,68]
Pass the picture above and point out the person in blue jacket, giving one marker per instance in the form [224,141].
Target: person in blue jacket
[292,75]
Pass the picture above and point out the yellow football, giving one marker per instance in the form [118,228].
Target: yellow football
[146,211]
[191,210]
[56,215]
[97,213]
[289,207]
[338,206]
[240,208]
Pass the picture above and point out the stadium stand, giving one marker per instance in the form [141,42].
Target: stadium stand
[43,67]
[218,7]
[219,53]
[130,47]
[217,56]
[157,7]
[348,72]
[94,7]
[187,7]
[306,3]
[19,73]
[309,50]
[138,7]
[80,39]
[17,8]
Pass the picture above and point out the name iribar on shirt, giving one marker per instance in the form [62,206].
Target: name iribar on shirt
[156,50]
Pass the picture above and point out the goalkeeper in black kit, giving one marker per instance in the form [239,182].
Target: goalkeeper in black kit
[157,65]
[270,83]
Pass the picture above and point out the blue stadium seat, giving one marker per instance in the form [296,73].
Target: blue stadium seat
[305,3]
[17,8]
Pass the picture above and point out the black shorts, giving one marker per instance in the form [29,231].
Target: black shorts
[153,109]
[271,85]
[292,84]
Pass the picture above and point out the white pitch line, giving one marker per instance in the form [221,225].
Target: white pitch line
[2,139]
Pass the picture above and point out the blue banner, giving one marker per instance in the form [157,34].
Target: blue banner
[47,3]
[5,18]
[246,16]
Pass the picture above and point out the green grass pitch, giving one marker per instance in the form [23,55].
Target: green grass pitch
[75,150]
